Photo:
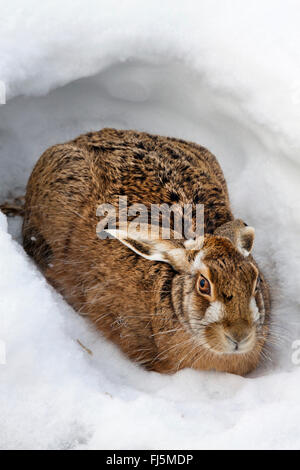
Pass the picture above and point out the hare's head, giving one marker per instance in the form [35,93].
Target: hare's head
[216,290]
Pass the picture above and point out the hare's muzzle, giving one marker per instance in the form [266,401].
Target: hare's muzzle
[239,337]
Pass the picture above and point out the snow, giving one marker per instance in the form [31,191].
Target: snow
[225,74]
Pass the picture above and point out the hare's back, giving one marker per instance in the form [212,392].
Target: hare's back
[71,180]
[152,168]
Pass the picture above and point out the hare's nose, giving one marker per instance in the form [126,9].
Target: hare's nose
[237,334]
[232,342]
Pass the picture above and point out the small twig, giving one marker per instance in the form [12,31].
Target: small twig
[12,209]
[84,347]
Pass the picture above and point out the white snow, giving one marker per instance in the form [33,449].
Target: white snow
[225,74]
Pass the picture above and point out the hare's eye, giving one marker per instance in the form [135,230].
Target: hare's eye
[203,285]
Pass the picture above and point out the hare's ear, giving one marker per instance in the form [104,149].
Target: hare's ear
[239,234]
[245,240]
[167,251]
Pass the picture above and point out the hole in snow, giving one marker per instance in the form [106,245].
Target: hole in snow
[168,99]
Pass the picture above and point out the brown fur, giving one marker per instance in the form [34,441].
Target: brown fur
[151,309]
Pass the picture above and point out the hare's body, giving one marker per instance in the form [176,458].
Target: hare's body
[135,302]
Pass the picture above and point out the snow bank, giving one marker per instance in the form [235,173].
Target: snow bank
[225,74]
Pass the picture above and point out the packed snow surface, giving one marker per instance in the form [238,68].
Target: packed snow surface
[225,74]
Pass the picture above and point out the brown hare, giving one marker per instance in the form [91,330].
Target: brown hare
[168,304]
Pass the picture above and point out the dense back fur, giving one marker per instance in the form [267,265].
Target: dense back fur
[139,304]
